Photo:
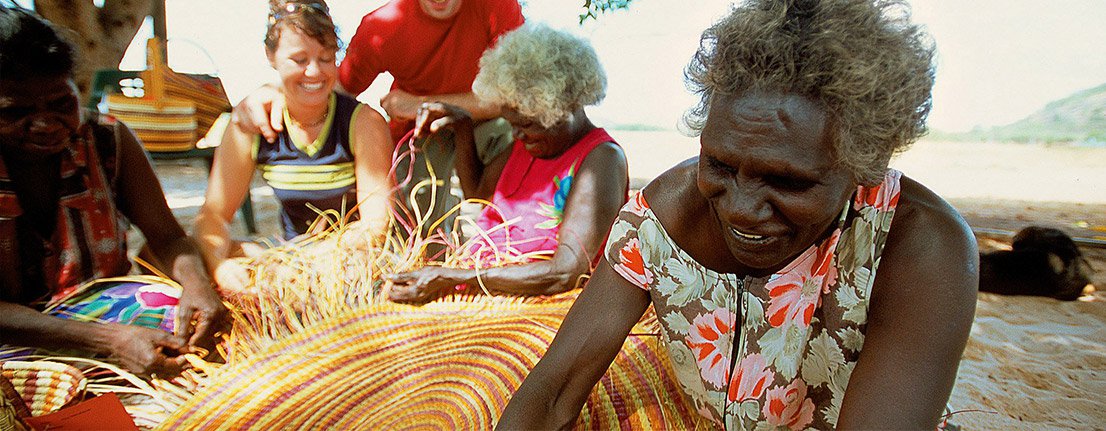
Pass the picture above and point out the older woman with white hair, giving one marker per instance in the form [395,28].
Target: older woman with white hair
[554,195]
[800,282]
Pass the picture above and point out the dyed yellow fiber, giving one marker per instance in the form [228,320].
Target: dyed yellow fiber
[451,364]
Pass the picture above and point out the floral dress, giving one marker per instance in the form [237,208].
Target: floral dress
[801,329]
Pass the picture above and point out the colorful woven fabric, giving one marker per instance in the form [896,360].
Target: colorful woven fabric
[141,301]
[451,364]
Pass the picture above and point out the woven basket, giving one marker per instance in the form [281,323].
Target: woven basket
[8,419]
[44,386]
[175,109]
[163,125]
[12,409]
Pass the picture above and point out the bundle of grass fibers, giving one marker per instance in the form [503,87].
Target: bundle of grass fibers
[320,347]
[315,344]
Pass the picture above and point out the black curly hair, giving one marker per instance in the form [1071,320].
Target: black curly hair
[31,46]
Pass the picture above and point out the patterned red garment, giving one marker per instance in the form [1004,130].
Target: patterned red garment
[89,240]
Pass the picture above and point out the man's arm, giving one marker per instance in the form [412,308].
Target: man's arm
[402,105]
[477,180]
[262,111]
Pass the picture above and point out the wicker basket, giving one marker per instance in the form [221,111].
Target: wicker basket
[44,386]
[12,409]
[175,109]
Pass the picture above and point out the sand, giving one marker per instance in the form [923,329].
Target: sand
[1031,363]
[1034,363]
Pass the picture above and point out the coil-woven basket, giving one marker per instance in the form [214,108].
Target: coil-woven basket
[44,386]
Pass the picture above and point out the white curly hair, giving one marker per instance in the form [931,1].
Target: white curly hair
[542,73]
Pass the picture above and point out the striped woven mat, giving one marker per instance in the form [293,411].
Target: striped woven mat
[451,365]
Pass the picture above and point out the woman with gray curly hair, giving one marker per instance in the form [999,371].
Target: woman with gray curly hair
[554,195]
[786,322]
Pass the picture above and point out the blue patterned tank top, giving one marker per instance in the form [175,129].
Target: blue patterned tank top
[309,177]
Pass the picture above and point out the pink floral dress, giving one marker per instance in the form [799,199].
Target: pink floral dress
[801,329]
[527,209]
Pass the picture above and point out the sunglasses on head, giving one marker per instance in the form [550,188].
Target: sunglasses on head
[291,8]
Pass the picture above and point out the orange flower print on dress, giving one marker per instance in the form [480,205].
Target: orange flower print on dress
[751,379]
[711,339]
[631,265]
[882,197]
[788,406]
[793,296]
[804,326]
[637,205]
[823,266]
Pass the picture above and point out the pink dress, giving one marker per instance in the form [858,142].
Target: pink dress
[526,211]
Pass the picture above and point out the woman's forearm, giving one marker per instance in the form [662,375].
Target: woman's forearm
[212,235]
[535,278]
[23,326]
[186,266]
[584,347]
[470,170]
[539,393]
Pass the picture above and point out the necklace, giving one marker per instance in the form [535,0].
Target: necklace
[310,125]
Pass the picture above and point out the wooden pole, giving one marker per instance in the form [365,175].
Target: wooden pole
[160,27]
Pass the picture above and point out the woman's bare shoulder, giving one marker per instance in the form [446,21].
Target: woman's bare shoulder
[671,191]
[928,236]
[922,211]
[684,214]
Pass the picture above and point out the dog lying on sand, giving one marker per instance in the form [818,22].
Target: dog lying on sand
[1042,262]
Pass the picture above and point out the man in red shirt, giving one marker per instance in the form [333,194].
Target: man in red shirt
[432,48]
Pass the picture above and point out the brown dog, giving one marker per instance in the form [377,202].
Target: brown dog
[1043,262]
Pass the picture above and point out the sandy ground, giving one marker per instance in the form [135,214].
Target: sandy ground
[1031,363]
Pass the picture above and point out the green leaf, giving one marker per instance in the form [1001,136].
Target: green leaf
[750,409]
[594,8]
[677,323]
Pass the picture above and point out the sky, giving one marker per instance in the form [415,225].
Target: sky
[998,60]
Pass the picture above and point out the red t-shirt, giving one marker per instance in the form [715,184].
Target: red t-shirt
[425,55]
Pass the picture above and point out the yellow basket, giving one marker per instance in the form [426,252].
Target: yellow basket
[44,386]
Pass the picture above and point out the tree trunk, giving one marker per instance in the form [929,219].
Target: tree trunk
[101,35]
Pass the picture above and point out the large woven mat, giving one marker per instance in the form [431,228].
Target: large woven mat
[452,365]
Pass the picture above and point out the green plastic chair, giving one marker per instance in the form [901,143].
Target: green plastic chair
[109,81]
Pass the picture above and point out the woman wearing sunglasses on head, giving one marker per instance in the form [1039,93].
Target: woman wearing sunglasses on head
[334,153]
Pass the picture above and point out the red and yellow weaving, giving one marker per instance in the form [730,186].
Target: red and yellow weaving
[451,364]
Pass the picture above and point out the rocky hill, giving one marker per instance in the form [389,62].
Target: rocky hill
[1080,117]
